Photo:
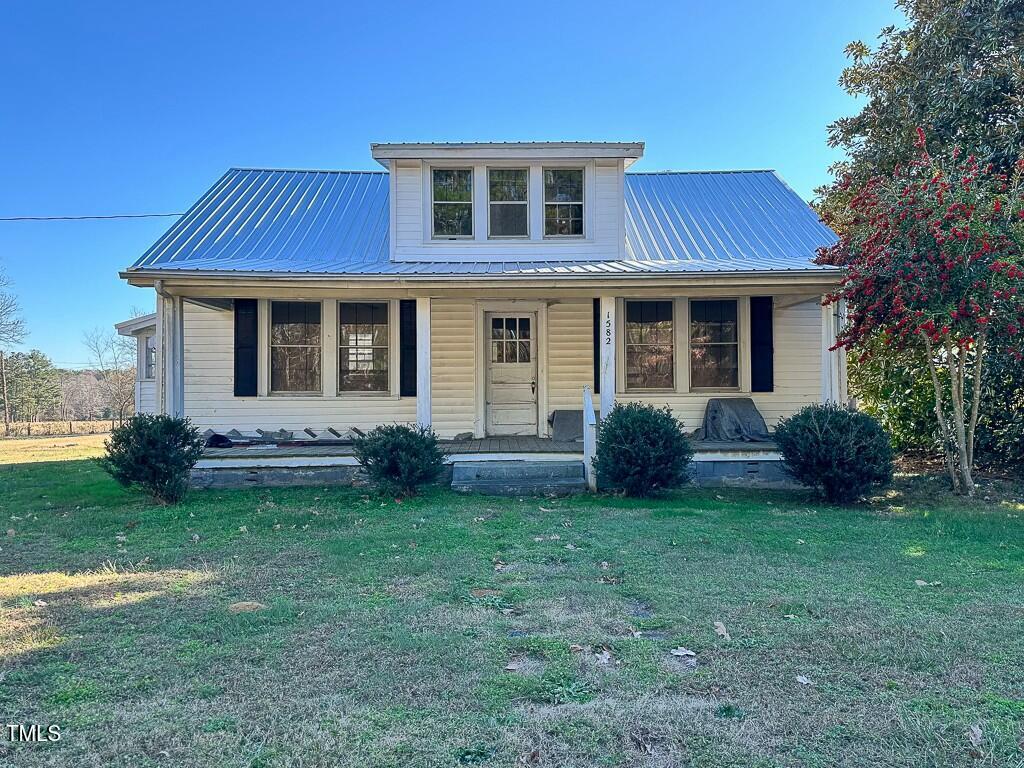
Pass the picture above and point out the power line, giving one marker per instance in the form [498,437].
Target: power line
[85,218]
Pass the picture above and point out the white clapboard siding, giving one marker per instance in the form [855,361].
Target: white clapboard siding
[210,402]
[797,371]
[605,211]
[452,365]
[570,352]
[146,397]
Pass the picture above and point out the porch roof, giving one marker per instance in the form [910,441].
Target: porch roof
[294,222]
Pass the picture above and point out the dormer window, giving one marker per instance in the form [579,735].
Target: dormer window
[507,202]
[563,202]
[452,202]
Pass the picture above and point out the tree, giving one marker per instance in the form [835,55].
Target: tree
[934,268]
[957,70]
[12,331]
[113,357]
[33,385]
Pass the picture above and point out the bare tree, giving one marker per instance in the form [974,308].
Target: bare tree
[113,358]
[12,331]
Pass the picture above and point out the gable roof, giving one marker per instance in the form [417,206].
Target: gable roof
[336,222]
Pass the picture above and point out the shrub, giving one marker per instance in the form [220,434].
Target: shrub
[399,459]
[837,450]
[155,453]
[642,450]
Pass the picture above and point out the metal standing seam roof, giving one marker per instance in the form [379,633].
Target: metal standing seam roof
[336,222]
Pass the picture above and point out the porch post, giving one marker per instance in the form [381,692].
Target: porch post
[423,399]
[608,346]
[830,368]
[161,354]
[170,323]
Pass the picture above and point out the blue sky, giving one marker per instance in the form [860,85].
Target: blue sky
[139,107]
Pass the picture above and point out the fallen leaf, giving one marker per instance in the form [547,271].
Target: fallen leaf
[40,603]
[604,565]
[10,533]
[570,547]
[923,583]
[481,592]
[514,666]
[721,631]
[789,616]
[120,538]
[195,538]
[609,580]
[246,606]
[243,528]
[577,648]
[800,541]
[974,735]
[604,656]
[681,651]
[804,680]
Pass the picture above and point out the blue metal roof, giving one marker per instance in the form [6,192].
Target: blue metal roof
[336,222]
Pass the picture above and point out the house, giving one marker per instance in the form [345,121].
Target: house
[479,287]
[143,330]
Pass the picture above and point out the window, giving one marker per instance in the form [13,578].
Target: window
[508,207]
[363,344]
[295,346]
[649,345]
[149,357]
[714,345]
[510,340]
[563,202]
[452,202]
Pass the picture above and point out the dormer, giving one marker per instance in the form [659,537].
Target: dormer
[517,201]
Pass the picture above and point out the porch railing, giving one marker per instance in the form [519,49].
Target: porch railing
[589,438]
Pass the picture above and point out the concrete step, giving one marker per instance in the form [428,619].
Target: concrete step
[519,478]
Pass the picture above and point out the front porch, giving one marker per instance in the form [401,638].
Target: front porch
[521,458]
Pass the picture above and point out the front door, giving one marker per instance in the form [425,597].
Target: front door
[512,374]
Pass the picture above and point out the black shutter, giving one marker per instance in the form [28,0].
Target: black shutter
[246,347]
[407,347]
[762,366]
[597,346]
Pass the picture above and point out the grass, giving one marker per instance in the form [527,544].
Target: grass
[453,630]
[26,450]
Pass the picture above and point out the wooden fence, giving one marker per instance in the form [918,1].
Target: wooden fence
[54,428]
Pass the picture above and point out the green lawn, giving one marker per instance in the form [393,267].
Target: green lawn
[389,627]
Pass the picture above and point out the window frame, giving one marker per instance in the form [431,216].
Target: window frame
[148,365]
[624,330]
[582,202]
[391,315]
[471,202]
[270,351]
[525,203]
[742,384]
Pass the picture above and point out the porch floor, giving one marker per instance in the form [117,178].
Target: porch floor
[487,445]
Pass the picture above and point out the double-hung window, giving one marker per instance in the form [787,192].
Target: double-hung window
[563,202]
[149,358]
[507,202]
[714,344]
[295,346]
[363,346]
[649,345]
[452,202]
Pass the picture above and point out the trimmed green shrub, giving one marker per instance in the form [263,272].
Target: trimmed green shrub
[839,451]
[399,459]
[641,450]
[155,453]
